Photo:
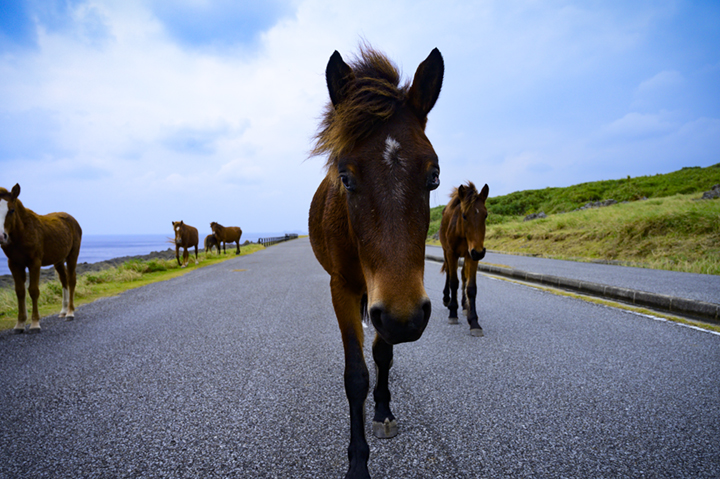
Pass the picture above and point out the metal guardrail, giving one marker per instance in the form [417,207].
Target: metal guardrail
[276,239]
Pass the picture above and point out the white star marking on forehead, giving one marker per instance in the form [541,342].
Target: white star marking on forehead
[391,149]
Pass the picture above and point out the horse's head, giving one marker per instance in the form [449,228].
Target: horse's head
[474,213]
[8,213]
[213,226]
[178,227]
[385,167]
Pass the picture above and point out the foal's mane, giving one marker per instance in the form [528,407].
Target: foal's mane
[372,97]
[471,195]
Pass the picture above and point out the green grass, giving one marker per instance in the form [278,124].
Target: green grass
[109,282]
[670,230]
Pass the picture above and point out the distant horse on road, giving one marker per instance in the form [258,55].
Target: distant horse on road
[186,236]
[210,242]
[227,234]
[369,219]
[462,235]
[30,241]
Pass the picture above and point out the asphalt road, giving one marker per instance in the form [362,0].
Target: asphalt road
[235,370]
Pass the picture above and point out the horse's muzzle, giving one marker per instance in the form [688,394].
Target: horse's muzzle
[394,330]
[477,255]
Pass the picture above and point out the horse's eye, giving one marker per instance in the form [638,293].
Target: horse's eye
[347,182]
[12,210]
[434,180]
[464,216]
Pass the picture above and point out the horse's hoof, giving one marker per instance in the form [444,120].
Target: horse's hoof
[385,430]
[452,321]
[478,333]
[69,318]
[18,330]
[34,330]
[62,315]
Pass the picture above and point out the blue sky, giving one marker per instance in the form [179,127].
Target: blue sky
[131,114]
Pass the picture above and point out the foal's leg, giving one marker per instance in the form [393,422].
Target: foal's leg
[384,423]
[34,290]
[62,275]
[452,266]
[470,276]
[464,286]
[357,380]
[19,278]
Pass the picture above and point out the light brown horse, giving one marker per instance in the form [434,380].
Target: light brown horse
[369,219]
[186,236]
[462,235]
[227,234]
[30,241]
[210,242]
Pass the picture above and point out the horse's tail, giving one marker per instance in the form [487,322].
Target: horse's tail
[444,267]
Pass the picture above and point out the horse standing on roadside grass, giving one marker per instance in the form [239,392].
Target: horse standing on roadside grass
[30,241]
[227,234]
[462,235]
[186,236]
[210,241]
[369,219]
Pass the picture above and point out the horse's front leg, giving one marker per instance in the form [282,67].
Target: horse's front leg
[34,290]
[196,250]
[357,379]
[384,423]
[19,276]
[186,257]
[470,277]
[177,254]
[452,266]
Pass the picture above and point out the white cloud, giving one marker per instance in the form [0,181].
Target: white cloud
[143,127]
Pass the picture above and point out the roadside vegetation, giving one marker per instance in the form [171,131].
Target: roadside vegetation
[659,222]
[108,282]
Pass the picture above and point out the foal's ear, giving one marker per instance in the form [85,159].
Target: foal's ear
[15,190]
[426,85]
[337,74]
[484,192]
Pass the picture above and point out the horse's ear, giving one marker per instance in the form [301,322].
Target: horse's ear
[15,190]
[485,192]
[337,74]
[426,85]
[461,191]
[181,223]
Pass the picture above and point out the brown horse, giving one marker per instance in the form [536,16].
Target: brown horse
[227,234]
[186,236]
[462,234]
[210,242]
[30,241]
[369,219]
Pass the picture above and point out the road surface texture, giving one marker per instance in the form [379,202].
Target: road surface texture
[236,370]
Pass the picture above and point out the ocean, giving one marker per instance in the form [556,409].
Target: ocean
[96,248]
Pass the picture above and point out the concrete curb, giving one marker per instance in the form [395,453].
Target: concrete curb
[671,304]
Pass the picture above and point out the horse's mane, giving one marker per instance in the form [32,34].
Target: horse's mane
[372,97]
[471,195]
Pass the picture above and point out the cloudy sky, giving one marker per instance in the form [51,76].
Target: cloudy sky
[129,114]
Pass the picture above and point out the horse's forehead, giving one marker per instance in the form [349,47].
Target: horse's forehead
[3,210]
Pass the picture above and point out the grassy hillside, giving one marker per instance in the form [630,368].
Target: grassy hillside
[670,230]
